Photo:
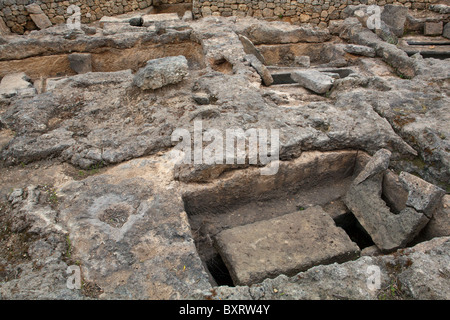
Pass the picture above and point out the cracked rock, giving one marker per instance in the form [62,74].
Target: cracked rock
[388,231]
[422,196]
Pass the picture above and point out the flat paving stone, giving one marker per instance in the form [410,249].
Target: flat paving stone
[286,245]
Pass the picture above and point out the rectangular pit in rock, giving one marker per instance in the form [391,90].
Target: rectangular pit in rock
[243,197]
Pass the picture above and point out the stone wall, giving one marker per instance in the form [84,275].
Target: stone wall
[316,12]
[294,11]
[161,2]
[18,20]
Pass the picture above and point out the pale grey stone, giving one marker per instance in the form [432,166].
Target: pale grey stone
[161,72]
[313,80]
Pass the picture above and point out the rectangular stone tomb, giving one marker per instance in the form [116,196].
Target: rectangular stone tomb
[286,245]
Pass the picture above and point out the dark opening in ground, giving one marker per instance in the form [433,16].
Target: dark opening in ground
[219,271]
[430,54]
[428,43]
[282,78]
[222,65]
[355,231]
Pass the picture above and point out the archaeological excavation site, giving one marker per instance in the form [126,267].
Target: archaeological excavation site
[225,149]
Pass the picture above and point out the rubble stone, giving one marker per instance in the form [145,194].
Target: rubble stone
[80,62]
[161,72]
[433,28]
[38,16]
[388,231]
[16,84]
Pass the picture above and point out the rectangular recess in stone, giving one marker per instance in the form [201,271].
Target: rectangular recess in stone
[286,245]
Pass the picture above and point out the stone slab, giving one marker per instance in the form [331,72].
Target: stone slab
[150,19]
[433,28]
[38,16]
[360,50]
[286,245]
[260,68]
[250,48]
[395,17]
[131,20]
[80,62]
[313,80]
[439,225]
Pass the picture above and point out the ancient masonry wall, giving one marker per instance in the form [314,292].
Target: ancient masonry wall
[18,20]
[294,11]
[16,17]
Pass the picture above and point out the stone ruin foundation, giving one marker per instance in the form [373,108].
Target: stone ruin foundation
[89,176]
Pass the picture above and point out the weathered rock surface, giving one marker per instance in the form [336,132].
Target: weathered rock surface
[433,28]
[422,196]
[439,225]
[313,80]
[387,51]
[43,271]
[359,50]
[152,19]
[187,16]
[441,8]
[261,32]
[395,17]
[410,118]
[302,61]
[446,31]
[284,245]
[161,72]
[79,125]
[393,191]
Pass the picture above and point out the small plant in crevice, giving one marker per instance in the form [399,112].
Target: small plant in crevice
[51,197]
[92,170]
[394,268]
[392,292]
